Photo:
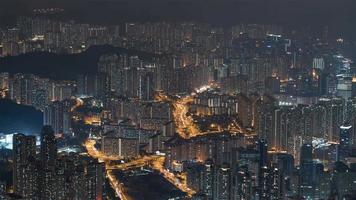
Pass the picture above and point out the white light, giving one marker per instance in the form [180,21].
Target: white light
[345,127]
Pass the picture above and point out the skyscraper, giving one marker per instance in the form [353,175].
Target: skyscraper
[344,142]
[4,80]
[95,180]
[209,179]
[223,182]
[4,84]
[48,156]
[306,153]
[24,166]
[307,172]
[57,115]
[110,66]
[146,87]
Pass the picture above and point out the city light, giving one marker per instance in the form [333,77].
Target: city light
[139,105]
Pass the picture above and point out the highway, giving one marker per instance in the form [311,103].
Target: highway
[185,125]
[95,153]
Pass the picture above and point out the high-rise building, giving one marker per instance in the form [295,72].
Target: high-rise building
[283,165]
[307,172]
[60,179]
[306,153]
[4,80]
[79,183]
[57,115]
[262,148]
[2,189]
[344,142]
[27,89]
[334,116]
[318,63]
[48,157]
[223,182]
[4,84]
[241,184]
[195,176]
[92,85]
[353,87]
[263,155]
[24,166]
[15,88]
[209,179]
[146,84]
[110,66]
[40,99]
[95,180]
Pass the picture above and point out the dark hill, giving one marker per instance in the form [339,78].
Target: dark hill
[62,66]
[19,118]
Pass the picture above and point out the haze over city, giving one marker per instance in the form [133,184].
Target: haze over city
[177,99]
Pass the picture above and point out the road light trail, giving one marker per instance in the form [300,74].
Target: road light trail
[158,165]
[95,153]
[114,182]
[156,162]
[117,186]
[185,125]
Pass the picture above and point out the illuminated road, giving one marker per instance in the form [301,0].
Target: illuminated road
[95,153]
[139,162]
[185,125]
[180,181]
[117,186]
[78,103]
[154,161]
[157,163]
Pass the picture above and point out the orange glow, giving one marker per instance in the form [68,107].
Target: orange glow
[185,125]
[92,120]
[156,162]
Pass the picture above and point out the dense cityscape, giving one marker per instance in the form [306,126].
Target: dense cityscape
[176,110]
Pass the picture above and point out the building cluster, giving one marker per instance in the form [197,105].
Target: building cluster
[41,34]
[228,167]
[144,124]
[285,125]
[242,58]
[30,89]
[126,141]
[201,51]
[267,114]
[49,175]
[288,127]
